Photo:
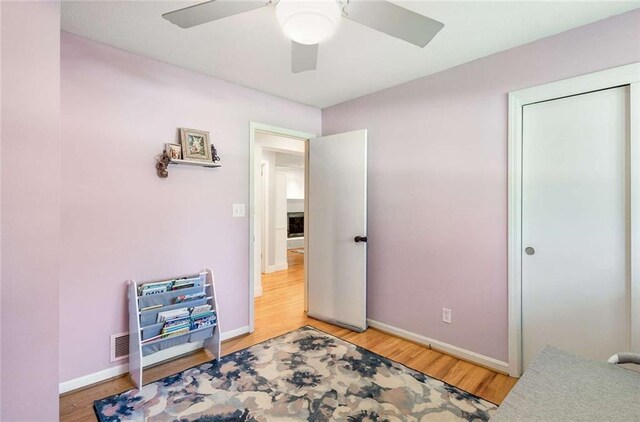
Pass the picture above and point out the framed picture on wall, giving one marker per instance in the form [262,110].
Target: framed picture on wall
[195,145]
[174,151]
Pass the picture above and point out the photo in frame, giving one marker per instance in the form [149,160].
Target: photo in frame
[195,145]
[174,151]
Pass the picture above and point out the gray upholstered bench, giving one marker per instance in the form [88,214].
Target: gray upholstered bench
[559,386]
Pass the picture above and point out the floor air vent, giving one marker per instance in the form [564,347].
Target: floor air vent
[119,346]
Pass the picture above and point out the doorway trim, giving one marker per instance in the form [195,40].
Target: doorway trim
[264,226]
[287,133]
[614,77]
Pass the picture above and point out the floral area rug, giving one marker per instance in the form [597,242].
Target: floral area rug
[305,375]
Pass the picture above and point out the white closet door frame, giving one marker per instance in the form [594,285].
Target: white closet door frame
[618,76]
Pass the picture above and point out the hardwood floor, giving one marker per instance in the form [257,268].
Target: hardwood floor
[279,310]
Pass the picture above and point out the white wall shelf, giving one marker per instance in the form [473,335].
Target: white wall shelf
[163,161]
[143,324]
[196,163]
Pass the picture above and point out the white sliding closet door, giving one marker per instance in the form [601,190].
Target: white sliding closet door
[575,231]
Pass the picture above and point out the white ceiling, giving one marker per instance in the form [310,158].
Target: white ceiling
[250,49]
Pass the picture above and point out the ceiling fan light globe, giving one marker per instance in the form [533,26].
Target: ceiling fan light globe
[308,21]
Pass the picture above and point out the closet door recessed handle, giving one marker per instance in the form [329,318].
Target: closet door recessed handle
[359,239]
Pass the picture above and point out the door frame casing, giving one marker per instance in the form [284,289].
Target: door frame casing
[264,236]
[614,77]
[287,133]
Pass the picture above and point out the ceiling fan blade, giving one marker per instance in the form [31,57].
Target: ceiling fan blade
[210,11]
[394,20]
[303,57]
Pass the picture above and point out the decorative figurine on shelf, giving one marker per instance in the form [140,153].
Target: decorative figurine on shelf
[162,164]
[214,154]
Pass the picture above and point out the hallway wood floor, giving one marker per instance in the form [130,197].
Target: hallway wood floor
[279,310]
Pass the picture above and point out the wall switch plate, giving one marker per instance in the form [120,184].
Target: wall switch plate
[446,315]
[238,210]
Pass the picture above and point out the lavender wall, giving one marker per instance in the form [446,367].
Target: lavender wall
[30,209]
[119,220]
[438,182]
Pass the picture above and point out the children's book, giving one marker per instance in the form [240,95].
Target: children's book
[175,323]
[172,314]
[148,308]
[203,319]
[187,298]
[154,288]
[176,332]
[200,309]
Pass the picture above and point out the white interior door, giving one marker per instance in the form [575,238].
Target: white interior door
[337,213]
[575,232]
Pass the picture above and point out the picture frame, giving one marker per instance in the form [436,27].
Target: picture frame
[174,151]
[195,145]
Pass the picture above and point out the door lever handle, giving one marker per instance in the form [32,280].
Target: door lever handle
[358,239]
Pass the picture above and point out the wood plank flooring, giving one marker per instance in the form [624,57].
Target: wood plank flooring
[279,310]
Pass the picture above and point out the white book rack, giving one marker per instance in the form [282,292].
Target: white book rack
[143,325]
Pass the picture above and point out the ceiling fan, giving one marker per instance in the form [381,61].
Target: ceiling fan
[309,22]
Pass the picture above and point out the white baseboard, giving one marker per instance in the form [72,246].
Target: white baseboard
[114,371]
[96,377]
[449,349]
[276,267]
[295,242]
[257,291]
[227,335]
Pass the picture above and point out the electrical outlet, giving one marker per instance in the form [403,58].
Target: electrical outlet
[446,315]
[238,210]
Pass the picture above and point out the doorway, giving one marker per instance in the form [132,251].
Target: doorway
[333,218]
[278,201]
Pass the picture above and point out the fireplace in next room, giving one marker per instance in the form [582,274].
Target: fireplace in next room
[295,224]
